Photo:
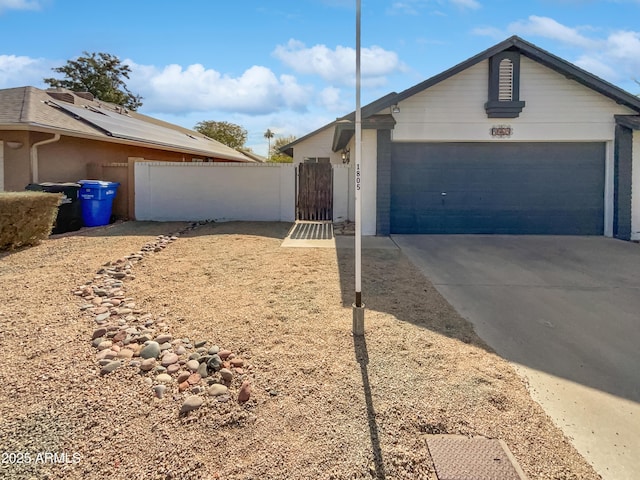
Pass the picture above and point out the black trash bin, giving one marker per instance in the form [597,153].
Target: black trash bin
[69,217]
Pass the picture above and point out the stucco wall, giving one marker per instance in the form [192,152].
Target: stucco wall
[342,193]
[67,159]
[369,181]
[16,161]
[214,191]
[318,145]
[1,166]
[635,187]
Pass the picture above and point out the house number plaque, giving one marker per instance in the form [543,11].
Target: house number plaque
[501,131]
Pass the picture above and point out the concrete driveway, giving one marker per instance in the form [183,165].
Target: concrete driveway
[566,312]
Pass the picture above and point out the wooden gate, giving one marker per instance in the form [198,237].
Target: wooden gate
[314,199]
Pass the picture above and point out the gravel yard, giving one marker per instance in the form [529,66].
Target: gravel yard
[322,404]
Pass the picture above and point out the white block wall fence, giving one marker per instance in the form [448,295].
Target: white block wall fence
[166,191]
[170,191]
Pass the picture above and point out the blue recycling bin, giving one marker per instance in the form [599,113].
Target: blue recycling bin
[96,201]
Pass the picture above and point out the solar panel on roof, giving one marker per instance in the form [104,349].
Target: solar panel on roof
[123,126]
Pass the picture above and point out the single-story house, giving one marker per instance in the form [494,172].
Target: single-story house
[58,135]
[514,140]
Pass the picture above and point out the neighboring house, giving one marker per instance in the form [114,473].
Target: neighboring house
[254,156]
[61,136]
[511,141]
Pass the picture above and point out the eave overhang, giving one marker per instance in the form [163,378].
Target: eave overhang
[345,129]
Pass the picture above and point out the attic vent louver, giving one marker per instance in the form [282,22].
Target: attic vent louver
[63,96]
[504,86]
[505,81]
[86,95]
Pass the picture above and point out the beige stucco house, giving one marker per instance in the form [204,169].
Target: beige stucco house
[62,136]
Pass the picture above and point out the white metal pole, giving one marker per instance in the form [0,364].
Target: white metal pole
[358,308]
[358,176]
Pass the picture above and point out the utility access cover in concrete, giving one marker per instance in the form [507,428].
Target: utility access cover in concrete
[457,457]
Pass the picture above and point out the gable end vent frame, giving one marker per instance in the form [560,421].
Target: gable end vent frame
[504,86]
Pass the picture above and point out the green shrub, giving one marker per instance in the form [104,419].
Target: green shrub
[26,218]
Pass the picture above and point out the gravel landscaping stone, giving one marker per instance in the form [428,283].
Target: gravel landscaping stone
[164,378]
[191,403]
[173,368]
[214,363]
[217,389]
[110,367]
[151,350]
[148,364]
[245,391]
[105,344]
[163,338]
[237,362]
[98,333]
[159,390]
[106,354]
[226,374]
[169,359]
[202,370]
[125,354]
[193,365]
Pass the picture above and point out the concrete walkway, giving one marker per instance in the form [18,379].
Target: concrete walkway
[340,241]
[566,312]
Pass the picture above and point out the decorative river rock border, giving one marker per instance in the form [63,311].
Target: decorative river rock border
[125,336]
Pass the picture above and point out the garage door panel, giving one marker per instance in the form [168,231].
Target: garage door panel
[511,223]
[516,188]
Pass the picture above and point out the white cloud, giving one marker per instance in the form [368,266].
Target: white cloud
[469,4]
[19,5]
[20,71]
[625,46]
[337,66]
[491,32]
[331,99]
[413,7]
[614,56]
[405,8]
[595,66]
[175,89]
[549,28]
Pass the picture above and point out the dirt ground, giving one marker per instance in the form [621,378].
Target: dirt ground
[323,405]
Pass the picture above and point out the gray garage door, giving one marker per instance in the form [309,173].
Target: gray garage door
[507,188]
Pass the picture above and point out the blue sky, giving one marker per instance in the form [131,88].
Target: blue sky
[289,65]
